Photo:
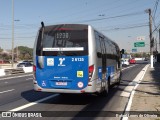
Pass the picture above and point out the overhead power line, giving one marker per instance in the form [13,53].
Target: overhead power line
[123,28]
[155,8]
[112,17]
[154,14]
[156,28]
[17,37]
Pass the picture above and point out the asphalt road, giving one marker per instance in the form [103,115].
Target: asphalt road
[17,94]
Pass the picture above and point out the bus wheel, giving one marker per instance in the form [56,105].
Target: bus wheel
[105,91]
[119,79]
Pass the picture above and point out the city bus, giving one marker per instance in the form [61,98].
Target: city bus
[75,58]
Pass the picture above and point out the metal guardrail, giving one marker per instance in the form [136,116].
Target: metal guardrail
[13,71]
[7,69]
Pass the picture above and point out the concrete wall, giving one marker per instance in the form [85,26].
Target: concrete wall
[15,70]
[139,58]
[2,73]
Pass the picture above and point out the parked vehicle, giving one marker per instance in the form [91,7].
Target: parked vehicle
[146,59]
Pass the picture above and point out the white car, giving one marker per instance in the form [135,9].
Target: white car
[24,64]
[125,62]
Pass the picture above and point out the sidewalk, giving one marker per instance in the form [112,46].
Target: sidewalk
[147,94]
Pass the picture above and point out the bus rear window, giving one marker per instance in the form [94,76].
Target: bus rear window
[63,42]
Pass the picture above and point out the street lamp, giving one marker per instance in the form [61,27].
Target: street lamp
[12,33]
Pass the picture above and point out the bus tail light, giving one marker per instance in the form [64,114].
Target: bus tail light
[34,72]
[91,69]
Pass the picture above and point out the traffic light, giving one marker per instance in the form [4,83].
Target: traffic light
[122,51]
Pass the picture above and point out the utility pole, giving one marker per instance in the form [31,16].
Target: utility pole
[156,44]
[17,52]
[150,36]
[12,33]
[159,40]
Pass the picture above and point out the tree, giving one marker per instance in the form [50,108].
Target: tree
[24,52]
[1,49]
[5,56]
[27,56]
[137,55]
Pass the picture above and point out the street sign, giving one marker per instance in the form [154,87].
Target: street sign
[139,44]
[134,50]
[141,38]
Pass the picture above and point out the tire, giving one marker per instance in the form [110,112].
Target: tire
[105,91]
[119,79]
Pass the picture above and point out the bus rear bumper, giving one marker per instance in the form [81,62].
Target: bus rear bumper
[88,89]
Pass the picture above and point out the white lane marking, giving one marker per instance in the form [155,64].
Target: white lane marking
[128,88]
[128,67]
[127,91]
[7,91]
[138,79]
[15,77]
[33,103]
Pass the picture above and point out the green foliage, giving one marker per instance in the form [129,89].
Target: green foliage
[25,53]
[1,49]
[138,55]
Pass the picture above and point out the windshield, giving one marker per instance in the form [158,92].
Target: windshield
[63,41]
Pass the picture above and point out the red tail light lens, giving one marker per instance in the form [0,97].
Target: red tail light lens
[34,72]
[91,69]
[34,68]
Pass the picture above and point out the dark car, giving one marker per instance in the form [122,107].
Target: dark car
[31,61]
[24,64]
[146,59]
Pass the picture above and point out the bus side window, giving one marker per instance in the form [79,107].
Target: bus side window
[98,47]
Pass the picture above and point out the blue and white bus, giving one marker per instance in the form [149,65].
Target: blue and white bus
[75,58]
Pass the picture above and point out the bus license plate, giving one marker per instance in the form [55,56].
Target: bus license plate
[61,83]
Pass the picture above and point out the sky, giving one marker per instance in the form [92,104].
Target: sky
[123,21]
